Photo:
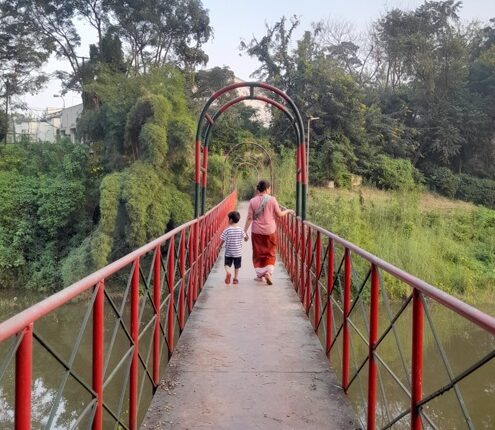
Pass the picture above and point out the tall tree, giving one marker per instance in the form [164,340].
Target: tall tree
[22,54]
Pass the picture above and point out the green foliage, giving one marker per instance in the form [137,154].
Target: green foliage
[451,250]
[443,181]
[394,174]
[479,191]
[45,210]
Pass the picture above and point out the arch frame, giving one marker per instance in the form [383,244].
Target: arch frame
[206,122]
[227,155]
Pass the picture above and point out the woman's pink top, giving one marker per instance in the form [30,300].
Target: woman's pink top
[265,223]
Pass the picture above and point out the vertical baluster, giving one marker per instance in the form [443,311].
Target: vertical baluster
[330,282]
[347,306]
[133,385]
[197,270]
[302,255]
[171,281]
[157,297]
[202,253]
[317,280]
[293,232]
[417,360]
[98,352]
[182,268]
[24,380]
[372,365]
[307,281]
[192,270]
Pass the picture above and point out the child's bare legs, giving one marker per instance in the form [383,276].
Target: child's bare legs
[236,276]
[228,275]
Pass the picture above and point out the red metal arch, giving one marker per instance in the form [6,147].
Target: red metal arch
[206,122]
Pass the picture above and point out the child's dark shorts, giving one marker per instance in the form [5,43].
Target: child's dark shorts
[235,260]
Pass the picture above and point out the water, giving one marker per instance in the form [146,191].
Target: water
[462,341]
[463,344]
[60,330]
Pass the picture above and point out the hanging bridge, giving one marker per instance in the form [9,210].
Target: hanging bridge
[164,343]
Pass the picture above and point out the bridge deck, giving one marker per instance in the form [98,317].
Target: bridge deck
[248,358]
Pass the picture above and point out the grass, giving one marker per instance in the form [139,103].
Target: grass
[447,243]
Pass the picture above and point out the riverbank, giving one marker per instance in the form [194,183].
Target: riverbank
[448,243]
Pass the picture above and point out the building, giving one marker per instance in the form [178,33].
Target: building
[53,124]
[68,122]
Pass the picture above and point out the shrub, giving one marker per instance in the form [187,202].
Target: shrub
[476,190]
[443,181]
[394,174]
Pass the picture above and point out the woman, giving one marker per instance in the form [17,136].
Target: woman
[263,208]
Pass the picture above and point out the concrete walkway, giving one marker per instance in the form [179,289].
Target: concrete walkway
[249,359]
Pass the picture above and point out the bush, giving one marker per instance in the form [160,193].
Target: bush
[443,181]
[476,190]
[394,174]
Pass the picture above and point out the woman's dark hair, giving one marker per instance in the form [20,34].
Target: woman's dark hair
[262,186]
[234,216]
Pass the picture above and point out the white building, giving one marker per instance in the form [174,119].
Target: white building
[68,122]
[53,124]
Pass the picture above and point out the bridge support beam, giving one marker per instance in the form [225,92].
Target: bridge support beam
[24,380]
[372,365]
[98,352]
[346,349]
[417,360]
[134,371]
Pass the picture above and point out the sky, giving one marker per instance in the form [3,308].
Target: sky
[236,20]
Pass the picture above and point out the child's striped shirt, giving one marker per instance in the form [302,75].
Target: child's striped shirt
[233,237]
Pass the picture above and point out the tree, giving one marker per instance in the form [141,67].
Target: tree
[272,51]
[4,122]
[154,32]
[22,53]
[158,32]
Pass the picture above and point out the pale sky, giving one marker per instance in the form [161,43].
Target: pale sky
[241,19]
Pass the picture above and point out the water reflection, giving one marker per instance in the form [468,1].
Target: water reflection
[462,341]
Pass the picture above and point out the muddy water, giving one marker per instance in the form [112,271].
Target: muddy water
[462,342]
[60,330]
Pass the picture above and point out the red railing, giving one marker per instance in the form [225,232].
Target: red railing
[331,291]
[190,252]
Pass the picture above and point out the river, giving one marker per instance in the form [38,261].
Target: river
[463,344]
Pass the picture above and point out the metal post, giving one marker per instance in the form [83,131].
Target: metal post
[192,270]
[302,255]
[417,360]
[330,272]
[157,298]
[171,280]
[98,352]
[347,306]
[317,280]
[204,226]
[197,270]
[204,179]
[309,257]
[182,268]
[24,380]
[372,365]
[133,386]
[197,176]
[304,180]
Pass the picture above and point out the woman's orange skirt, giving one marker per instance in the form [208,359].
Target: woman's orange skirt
[264,250]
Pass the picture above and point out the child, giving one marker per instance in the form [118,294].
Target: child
[233,236]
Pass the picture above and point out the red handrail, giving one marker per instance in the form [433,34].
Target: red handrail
[201,238]
[476,316]
[296,238]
